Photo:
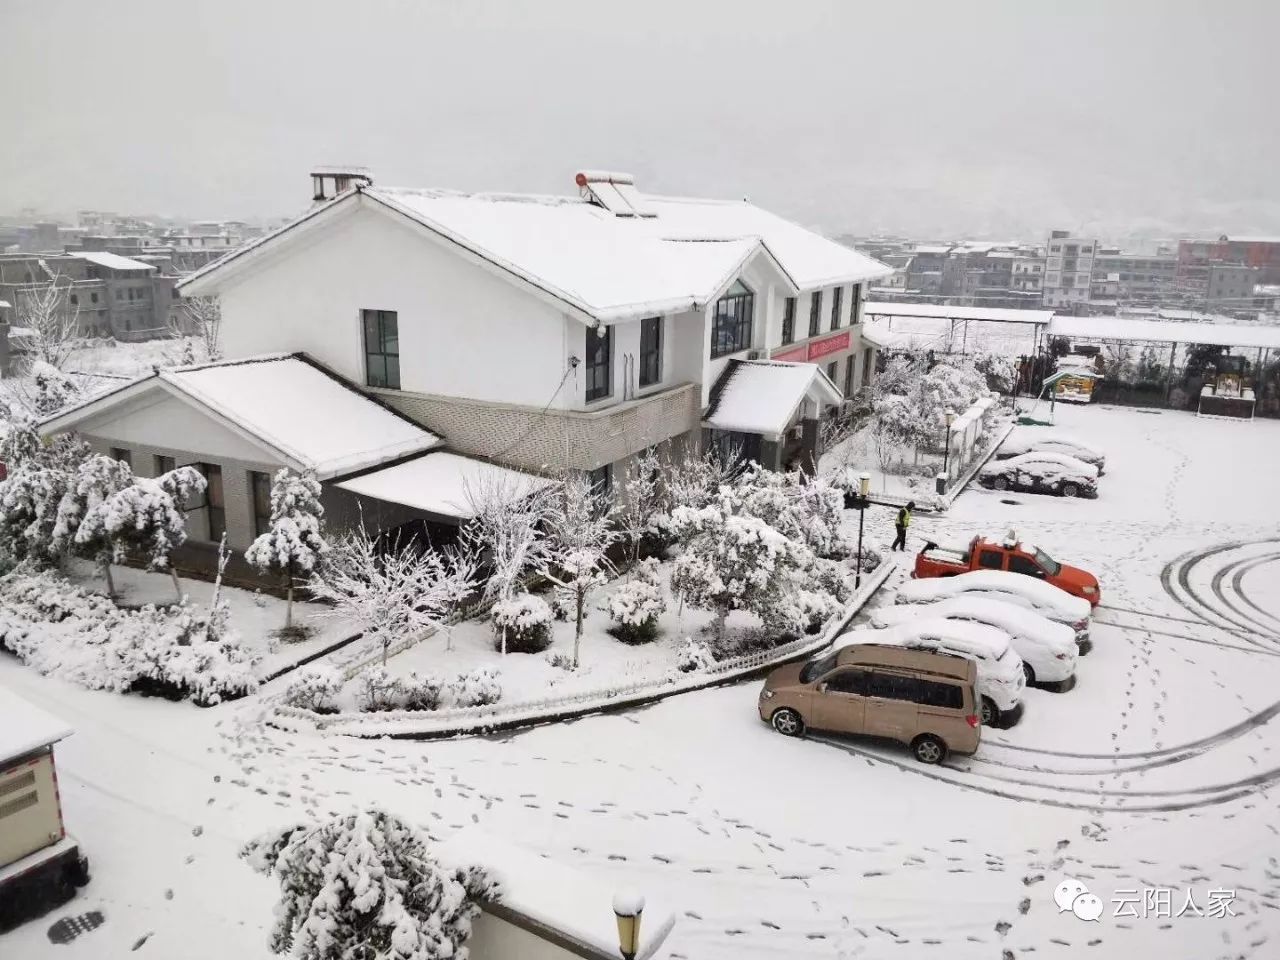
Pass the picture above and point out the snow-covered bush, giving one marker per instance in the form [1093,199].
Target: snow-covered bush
[379,690]
[479,688]
[559,660]
[294,544]
[833,577]
[366,886]
[53,389]
[693,655]
[314,688]
[636,605]
[421,693]
[38,477]
[525,623]
[808,510]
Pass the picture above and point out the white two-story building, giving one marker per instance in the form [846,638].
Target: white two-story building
[553,333]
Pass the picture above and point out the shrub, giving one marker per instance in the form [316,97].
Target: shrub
[835,578]
[526,619]
[635,606]
[559,660]
[421,693]
[379,690]
[314,688]
[693,655]
[479,688]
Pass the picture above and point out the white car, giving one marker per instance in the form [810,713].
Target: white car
[1048,650]
[1054,473]
[1001,679]
[1023,591]
[1034,441]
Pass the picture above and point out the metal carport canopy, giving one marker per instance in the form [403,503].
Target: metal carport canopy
[1166,331]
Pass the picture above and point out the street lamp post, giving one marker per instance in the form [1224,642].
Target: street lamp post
[950,416]
[627,908]
[860,504]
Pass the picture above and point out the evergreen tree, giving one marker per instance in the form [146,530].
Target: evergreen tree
[294,544]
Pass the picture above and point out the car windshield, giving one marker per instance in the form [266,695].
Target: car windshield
[816,668]
[1050,565]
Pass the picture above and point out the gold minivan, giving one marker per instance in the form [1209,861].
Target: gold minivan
[924,700]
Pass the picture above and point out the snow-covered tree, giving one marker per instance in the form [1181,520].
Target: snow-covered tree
[809,510]
[695,481]
[203,316]
[51,389]
[45,310]
[641,502]
[393,590]
[636,605]
[38,477]
[145,519]
[96,480]
[366,886]
[733,561]
[579,533]
[507,527]
[294,544]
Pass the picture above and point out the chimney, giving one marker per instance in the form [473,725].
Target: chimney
[329,182]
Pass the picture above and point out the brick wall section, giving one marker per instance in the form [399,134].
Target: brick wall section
[556,440]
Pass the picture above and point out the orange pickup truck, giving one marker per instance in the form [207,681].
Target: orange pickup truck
[1011,555]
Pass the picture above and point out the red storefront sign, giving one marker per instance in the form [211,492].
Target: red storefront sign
[820,348]
[795,355]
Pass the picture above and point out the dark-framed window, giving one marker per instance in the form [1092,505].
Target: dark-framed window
[599,375]
[789,320]
[260,490]
[832,371]
[381,348]
[601,480]
[163,464]
[650,351]
[815,313]
[991,560]
[731,446]
[731,326]
[123,454]
[212,501]
[848,681]
[837,296]
[855,298]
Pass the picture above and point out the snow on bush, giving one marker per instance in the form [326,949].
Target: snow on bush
[809,510]
[294,544]
[693,655]
[636,605]
[53,389]
[177,652]
[366,886]
[315,688]
[421,693]
[379,690]
[525,622]
[559,660]
[479,688]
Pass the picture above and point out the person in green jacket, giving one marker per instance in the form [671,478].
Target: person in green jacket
[901,523]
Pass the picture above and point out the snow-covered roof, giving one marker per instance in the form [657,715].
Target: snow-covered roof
[112,260]
[1165,331]
[25,727]
[576,905]
[312,418]
[605,267]
[1000,314]
[440,482]
[762,396]
[1014,620]
[1042,594]
[977,639]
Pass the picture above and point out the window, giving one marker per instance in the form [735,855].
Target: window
[848,377]
[1021,564]
[888,686]
[599,363]
[731,327]
[75,301]
[848,681]
[854,301]
[163,464]
[816,668]
[260,487]
[837,295]
[601,480]
[815,313]
[650,351]
[381,348]
[123,455]
[935,694]
[991,560]
[831,370]
[119,293]
[212,502]
[93,298]
[789,320]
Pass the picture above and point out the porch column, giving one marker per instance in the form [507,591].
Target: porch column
[810,444]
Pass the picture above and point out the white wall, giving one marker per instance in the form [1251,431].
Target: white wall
[463,330]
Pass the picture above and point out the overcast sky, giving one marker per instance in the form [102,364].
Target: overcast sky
[950,118]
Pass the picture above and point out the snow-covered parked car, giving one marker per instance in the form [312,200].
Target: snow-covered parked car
[1044,598]
[1048,650]
[1034,441]
[1001,679]
[1054,473]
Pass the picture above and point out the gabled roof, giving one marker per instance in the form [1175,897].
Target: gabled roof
[603,267]
[762,396]
[310,417]
[112,260]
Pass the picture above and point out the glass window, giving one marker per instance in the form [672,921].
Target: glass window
[731,326]
[789,320]
[1048,563]
[381,348]
[260,486]
[815,313]
[75,301]
[832,371]
[848,681]
[816,668]
[889,686]
[212,502]
[837,295]
[122,454]
[935,694]
[991,559]
[93,297]
[1021,564]
[601,480]
[599,363]
[163,465]
[650,351]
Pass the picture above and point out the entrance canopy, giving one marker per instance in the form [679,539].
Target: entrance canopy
[764,396]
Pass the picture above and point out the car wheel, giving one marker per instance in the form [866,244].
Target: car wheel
[787,722]
[990,713]
[1029,673]
[1000,483]
[929,749]
[1070,490]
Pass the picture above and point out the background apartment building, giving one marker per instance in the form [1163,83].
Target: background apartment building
[1068,269]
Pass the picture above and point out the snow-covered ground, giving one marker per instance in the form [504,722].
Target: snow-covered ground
[1157,772]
